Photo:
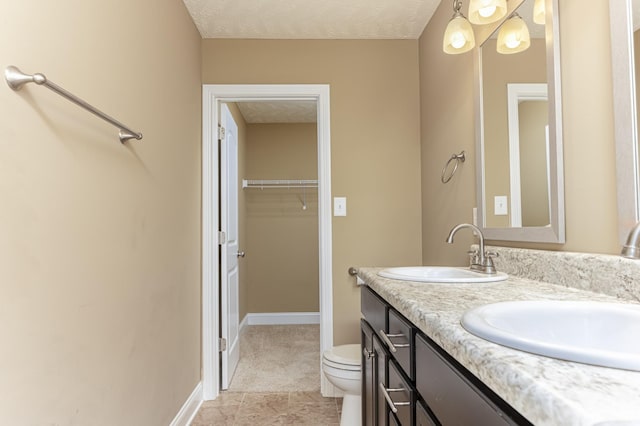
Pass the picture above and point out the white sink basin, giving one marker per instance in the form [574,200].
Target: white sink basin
[604,334]
[440,274]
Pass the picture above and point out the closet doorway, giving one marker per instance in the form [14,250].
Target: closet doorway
[296,197]
[277,212]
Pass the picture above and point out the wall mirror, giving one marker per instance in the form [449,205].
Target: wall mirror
[625,33]
[520,185]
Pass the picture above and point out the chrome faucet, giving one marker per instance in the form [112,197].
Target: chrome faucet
[479,260]
[632,248]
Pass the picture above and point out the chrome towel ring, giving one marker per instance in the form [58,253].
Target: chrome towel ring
[455,159]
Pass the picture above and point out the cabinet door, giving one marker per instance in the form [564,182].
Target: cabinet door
[369,372]
[451,397]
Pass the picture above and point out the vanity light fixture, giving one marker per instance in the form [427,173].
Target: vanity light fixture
[458,37]
[513,36]
[538,12]
[483,12]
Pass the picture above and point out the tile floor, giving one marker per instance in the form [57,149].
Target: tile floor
[277,382]
[278,358]
[269,408]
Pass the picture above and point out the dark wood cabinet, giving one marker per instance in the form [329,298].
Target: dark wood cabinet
[401,337]
[423,418]
[388,393]
[445,390]
[374,360]
[382,369]
[409,380]
[399,395]
[368,375]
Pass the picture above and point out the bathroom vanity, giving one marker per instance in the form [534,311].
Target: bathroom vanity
[409,380]
[420,367]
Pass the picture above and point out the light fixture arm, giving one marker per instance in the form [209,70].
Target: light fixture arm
[457,5]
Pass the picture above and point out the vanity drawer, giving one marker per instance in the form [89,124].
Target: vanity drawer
[401,395]
[451,397]
[400,342]
[373,308]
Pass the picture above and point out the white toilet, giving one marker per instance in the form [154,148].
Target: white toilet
[341,366]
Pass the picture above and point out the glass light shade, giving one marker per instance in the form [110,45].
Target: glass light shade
[513,36]
[538,12]
[458,37]
[486,11]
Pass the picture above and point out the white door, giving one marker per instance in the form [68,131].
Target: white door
[229,250]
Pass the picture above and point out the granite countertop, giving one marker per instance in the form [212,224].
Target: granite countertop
[546,391]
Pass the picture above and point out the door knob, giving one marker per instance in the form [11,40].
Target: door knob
[240,254]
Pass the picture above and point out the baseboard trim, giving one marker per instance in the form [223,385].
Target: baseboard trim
[282,318]
[244,323]
[190,408]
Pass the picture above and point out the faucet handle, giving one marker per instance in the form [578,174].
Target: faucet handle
[489,266]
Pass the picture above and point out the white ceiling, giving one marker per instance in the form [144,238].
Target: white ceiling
[311,19]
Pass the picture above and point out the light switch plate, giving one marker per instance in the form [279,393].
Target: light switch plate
[339,206]
[500,205]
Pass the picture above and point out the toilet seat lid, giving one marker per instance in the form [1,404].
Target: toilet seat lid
[344,354]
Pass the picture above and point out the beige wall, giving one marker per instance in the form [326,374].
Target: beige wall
[533,117]
[100,247]
[374,142]
[282,238]
[589,158]
[447,127]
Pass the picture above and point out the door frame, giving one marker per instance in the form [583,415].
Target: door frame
[212,94]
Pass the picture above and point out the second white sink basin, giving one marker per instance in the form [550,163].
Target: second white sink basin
[440,274]
[597,333]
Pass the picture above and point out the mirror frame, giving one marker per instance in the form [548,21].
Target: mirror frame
[555,233]
[625,115]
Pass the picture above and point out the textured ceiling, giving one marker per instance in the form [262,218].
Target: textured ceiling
[311,19]
[279,111]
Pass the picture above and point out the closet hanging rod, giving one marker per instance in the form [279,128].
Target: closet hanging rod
[16,79]
[282,183]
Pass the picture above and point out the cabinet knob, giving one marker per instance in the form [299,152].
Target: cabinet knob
[368,354]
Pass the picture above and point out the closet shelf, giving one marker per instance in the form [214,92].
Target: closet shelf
[282,183]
